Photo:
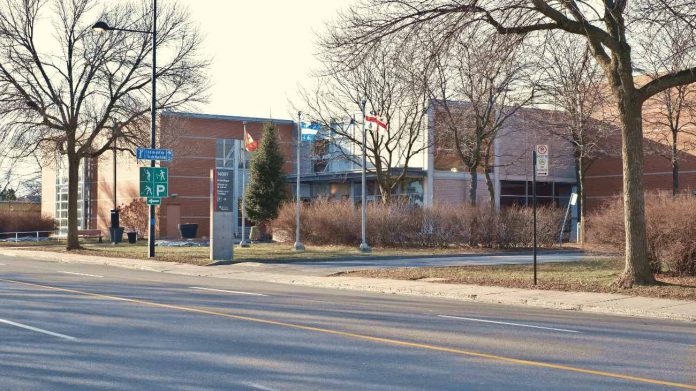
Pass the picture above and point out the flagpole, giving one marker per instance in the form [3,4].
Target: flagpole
[298,244]
[243,242]
[364,247]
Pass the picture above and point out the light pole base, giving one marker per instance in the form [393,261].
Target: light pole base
[243,243]
[299,247]
[365,248]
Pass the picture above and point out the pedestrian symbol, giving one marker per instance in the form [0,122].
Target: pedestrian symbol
[154,182]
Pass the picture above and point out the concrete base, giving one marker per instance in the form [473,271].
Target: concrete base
[221,236]
[365,248]
[299,247]
[244,244]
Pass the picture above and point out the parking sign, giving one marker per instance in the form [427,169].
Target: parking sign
[542,160]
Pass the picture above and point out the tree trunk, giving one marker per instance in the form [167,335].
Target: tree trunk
[637,269]
[474,185]
[73,185]
[675,165]
[491,189]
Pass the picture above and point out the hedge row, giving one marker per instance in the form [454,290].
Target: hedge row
[402,225]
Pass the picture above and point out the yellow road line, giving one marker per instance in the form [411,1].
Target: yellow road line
[388,341]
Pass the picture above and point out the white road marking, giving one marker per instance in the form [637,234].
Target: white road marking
[82,274]
[38,330]
[509,324]
[2,264]
[258,386]
[226,291]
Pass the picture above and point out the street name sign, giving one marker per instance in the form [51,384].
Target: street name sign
[154,182]
[165,155]
[542,160]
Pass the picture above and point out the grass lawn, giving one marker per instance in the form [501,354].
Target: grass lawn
[587,276]
[256,252]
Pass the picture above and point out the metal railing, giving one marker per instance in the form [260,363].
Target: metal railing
[33,234]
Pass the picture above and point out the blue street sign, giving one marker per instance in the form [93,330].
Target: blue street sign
[154,154]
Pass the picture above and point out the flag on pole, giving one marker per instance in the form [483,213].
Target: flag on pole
[309,130]
[249,143]
[373,119]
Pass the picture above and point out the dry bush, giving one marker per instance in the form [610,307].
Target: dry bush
[134,216]
[671,231]
[23,222]
[404,225]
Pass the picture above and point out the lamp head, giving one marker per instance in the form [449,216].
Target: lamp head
[100,27]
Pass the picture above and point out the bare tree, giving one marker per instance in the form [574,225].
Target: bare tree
[68,94]
[478,84]
[609,27]
[671,113]
[571,80]
[389,82]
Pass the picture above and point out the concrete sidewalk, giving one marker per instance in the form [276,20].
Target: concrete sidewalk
[305,275]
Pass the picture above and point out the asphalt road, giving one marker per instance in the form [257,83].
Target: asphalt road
[73,327]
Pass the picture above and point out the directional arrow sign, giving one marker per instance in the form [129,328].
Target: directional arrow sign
[154,182]
[154,201]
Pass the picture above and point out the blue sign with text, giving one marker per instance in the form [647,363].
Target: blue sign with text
[154,154]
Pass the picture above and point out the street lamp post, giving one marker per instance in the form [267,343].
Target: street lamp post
[103,26]
[298,246]
[364,247]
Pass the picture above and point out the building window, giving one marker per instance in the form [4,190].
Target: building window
[62,196]
[224,152]
[548,193]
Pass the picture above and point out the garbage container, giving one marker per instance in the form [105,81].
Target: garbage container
[188,231]
[116,234]
[132,237]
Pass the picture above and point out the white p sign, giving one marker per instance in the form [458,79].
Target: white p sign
[160,190]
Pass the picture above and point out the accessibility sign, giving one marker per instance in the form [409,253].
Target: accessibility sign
[165,155]
[154,182]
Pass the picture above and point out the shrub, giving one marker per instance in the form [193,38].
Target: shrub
[670,226]
[134,216]
[24,222]
[404,225]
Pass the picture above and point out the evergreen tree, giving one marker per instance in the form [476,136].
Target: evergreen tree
[266,189]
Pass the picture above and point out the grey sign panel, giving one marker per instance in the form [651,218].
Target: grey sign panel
[224,189]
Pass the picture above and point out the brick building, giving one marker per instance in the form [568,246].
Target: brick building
[604,177]
[201,142]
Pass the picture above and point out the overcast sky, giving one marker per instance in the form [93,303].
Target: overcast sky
[261,50]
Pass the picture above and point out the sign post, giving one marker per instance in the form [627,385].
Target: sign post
[222,214]
[540,166]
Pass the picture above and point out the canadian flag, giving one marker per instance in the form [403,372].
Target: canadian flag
[377,121]
[249,143]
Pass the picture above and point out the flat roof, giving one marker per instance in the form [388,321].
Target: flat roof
[227,117]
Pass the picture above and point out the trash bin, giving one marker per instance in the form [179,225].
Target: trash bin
[132,237]
[116,234]
[188,231]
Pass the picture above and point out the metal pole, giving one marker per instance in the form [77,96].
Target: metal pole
[115,210]
[364,247]
[298,244]
[153,124]
[565,220]
[243,242]
[534,211]
[115,204]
